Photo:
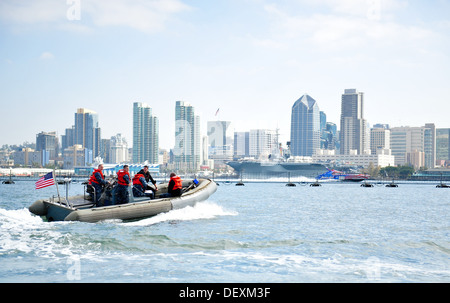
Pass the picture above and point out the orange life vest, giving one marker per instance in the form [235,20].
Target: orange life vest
[137,181]
[93,178]
[120,174]
[178,182]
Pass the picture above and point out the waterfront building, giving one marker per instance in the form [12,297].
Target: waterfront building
[263,143]
[241,145]
[118,149]
[29,157]
[77,155]
[329,137]
[443,146]
[405,140]
[68,139]
[187,151]
[87,131]
[48,145]
[145,134]
[353,132]
[429,145]
[383,158]
[220,141]
[380,138]
[305,127]
[414,145]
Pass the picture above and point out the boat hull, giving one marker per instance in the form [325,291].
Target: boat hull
[138,208]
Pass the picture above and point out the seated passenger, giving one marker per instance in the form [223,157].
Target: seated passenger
[139,187]
[97,180]
[175,187]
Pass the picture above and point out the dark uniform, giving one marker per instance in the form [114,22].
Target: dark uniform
[97,180]
[139,186]
[123,181]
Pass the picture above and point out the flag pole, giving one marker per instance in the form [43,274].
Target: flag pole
[56,183]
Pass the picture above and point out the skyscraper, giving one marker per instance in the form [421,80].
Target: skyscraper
[354,133]
[87,131]
[145,134]
[443,145]
[49,143]
[305,127]
[187,137]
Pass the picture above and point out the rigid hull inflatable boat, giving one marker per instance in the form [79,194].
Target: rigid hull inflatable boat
[82,208]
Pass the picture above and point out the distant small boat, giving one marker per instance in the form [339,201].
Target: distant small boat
[442,185]
[10,181]
[332,174]
[365,184]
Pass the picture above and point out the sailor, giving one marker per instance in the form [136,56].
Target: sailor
[140,185]
[175,185]
[97,180]
[148,178]
[123,180]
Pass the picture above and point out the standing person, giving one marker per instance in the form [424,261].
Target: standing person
[148,177]
[139,186]
[123,180]
[97,180]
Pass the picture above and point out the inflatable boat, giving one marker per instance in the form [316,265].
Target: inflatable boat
[82,208]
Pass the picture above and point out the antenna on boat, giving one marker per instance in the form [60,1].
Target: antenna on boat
[56,183]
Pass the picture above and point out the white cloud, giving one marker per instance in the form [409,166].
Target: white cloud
[147,16]
[46,56]
[345,27]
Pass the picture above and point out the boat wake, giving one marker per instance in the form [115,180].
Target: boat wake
[202,210]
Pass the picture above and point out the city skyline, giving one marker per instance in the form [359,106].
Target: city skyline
[251,59]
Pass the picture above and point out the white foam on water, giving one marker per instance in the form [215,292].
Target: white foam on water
[23,232]
[202,210]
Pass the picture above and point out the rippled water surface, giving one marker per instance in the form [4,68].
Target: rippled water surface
[261,232]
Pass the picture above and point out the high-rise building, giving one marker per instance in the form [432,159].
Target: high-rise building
[305,127]
[49,143]
[145,134]
[380,139]
[118,149]
[408,143]
[443,146]
[87,132]
[353,132]
[187,137]
[263,143]
[429,145]
[241,145]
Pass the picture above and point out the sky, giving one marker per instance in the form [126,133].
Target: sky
[251,59]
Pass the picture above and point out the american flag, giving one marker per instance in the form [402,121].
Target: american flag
[45,181]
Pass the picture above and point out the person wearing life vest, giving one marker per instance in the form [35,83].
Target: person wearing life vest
[97,180]
[175,185]
[140,185]
[123,180]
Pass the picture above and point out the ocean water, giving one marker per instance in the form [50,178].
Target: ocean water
[261,232]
